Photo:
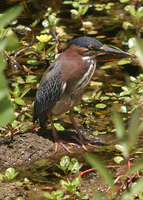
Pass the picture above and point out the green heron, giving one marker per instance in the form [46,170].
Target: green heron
[65,81]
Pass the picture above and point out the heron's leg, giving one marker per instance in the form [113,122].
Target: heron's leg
[56,137]
[81,141]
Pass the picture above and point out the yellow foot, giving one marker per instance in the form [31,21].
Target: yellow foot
[83,142]
[62,142]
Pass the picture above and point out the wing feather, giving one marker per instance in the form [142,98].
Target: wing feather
[48,93]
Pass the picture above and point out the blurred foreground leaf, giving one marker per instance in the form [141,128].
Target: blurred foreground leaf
[100,167]
[133,128]
[121,133]
[135,189]
[9,15]
[6,112]
[139,48]
[9,42]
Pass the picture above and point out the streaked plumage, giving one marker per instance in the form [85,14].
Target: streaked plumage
[64,82]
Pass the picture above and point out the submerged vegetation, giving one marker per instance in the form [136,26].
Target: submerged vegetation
[21,60]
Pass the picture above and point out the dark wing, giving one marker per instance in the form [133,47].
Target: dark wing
[50,89]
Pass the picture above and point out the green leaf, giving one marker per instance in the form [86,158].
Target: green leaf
[24,127]
[65,184]
[56,174]
[46,194]
[68,186]
[76,181]
[10,173]
[6,112]
[77,108]
[10,15]
[139,48]
[132,42]
[59,127]
[33,62]
[19,198]
[31,52]
[87,24]
[131,10]
[124,1]
[140,12]
[26,180]
[101,105]
[50,49]
[132,78]
[123,62]
[19,183]
[65,161]
[40,46]
[3,43]
[99,7]
[67,2]
[1,177]
[84,1]
[126,89]
[25,92]
[105,98]
[97,163]
[121,132]
[20,80]
[133,128]
[119,147]
[124,109]
[75,4]
[106,67]
[19,101]
[28,115]
[119,159]
[31,79]
[74,166]
[57,194]
[126,25]
[12,43]
[73,11]
[97,195]
[35,22]
[85,9]
[99,133]
[17,91]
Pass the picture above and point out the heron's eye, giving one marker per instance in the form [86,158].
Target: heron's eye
[91,47]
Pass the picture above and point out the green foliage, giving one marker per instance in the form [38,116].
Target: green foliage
[80,7]
[138,14]
[10,174]
[9,43]
[19,105]
[24,182]
[69,167]
[9,15]
[102,6]
[69,184]
[55,194]
[127,139]
[139,49]
[121,133]
[19,198]
[59,127]
[132,93]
